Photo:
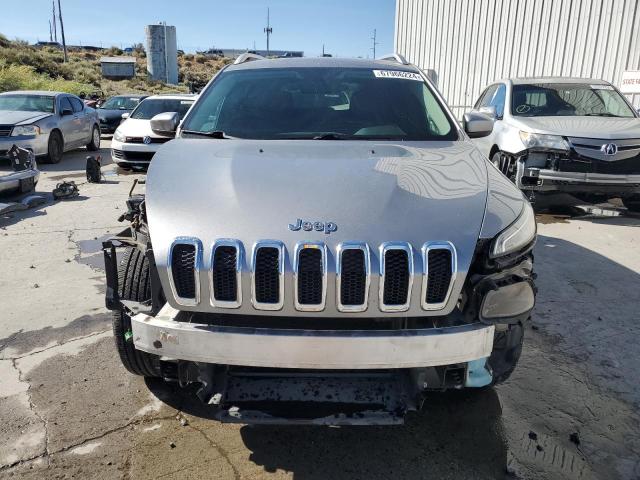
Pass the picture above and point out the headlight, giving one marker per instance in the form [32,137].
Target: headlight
[517,235]
[28,130]
[540,140]
[119,137]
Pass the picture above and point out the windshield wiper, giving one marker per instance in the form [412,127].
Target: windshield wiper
[331,136]
[602,115]
[219,134]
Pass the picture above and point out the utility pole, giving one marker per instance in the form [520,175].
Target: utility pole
[53,15]
[50,32]
[64,43]
[374,43]
[268,30]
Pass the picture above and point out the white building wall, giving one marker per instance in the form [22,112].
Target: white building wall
[472,43]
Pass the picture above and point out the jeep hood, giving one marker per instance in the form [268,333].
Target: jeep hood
[585,127]
[374,192]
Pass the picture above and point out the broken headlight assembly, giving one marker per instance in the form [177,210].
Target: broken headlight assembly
[517,235]
[543,141]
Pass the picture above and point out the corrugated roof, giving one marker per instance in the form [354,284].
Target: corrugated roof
[121,59]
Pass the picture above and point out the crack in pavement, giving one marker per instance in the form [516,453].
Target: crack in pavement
[223,453]
[47,454]
[75,339]
[32,407]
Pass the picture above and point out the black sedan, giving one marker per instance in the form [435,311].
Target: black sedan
[110,112]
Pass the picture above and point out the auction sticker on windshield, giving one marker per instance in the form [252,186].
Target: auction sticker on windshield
[397,74]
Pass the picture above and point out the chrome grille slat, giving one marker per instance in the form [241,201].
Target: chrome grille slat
[348,273]
[263,281]
[396,276]
[185,259]
[309,268]
[310,272]
[437,278]
[225,273]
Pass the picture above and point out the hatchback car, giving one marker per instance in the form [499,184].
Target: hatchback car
[134,143]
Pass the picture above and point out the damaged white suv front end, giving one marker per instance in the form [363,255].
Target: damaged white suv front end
[329,264]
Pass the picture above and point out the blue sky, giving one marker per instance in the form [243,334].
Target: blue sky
[345,27]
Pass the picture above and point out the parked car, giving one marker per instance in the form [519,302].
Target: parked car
[573,135]
[48,123]
[134,143]
[110,112]
[311,264]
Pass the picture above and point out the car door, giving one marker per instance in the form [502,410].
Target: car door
[66,122]
[82,121]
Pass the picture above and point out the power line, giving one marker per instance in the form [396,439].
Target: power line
[374,43]
[268,30]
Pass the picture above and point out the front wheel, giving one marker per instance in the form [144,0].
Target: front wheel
[507,347]
[94,143]
[134,283]
[55,147]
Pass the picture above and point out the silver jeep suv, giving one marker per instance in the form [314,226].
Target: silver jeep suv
[575,135]
[322,244]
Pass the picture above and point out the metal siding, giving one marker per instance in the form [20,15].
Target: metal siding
[472,43]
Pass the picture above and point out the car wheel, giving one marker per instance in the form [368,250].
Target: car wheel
[134,283]
[632,203]
[94,144]
[55,147]
[507,347]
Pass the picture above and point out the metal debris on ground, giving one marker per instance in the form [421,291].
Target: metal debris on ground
[26,203]
[65,190]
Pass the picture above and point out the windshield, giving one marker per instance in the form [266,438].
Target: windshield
[568,99]
[121,103]
[27,103]
[332,103]
[151,107]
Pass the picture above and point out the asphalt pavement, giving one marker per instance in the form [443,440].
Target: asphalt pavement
[68,409]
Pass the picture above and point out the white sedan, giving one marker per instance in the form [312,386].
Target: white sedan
[134,143]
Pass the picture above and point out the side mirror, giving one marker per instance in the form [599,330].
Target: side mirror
[165,123]
[66,111]
[489,111]
[477,124]
[125,115]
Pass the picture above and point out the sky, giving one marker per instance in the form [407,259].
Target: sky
[344,27]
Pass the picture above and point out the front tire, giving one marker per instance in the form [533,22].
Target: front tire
[134,283]
[55,147]
[507,347]
[94,143]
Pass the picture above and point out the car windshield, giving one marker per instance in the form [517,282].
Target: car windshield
[326,103]
[27,103]
[568,99]
[121,103]
[151,107]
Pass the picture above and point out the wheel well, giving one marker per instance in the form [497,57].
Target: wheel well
[57,130]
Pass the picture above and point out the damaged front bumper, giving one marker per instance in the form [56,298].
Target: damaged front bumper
[164,335]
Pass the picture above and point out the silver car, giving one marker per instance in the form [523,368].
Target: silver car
[322,235]
[575,135]
[48,123]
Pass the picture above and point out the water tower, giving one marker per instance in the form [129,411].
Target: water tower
[162,53]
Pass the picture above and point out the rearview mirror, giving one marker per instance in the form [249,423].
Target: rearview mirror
[125,115]
[165,123]
[477,124]
[66,111]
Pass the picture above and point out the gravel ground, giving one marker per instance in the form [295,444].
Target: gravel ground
[69,409]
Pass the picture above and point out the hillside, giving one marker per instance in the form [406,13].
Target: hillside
[25,67]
